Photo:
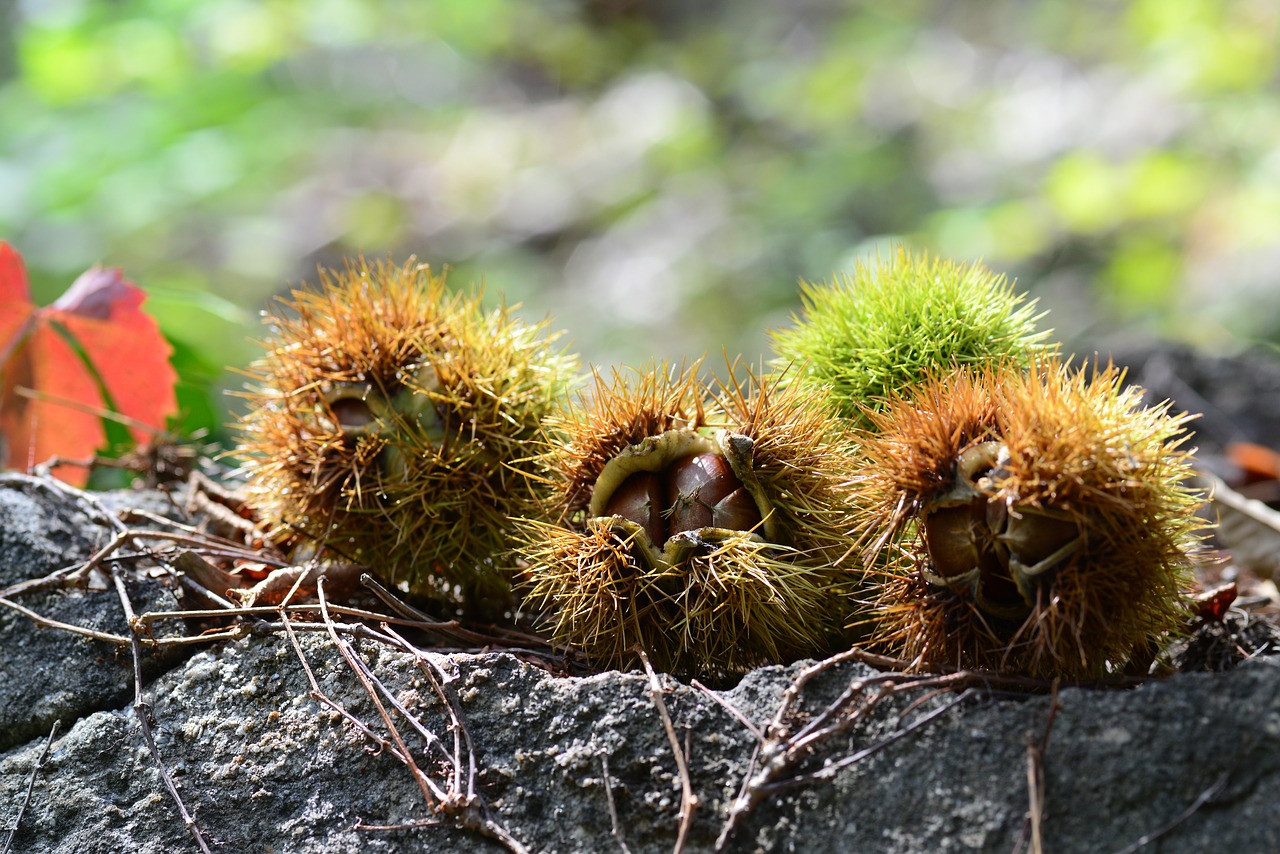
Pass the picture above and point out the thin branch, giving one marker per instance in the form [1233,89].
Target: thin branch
[439,679]
[613,809]
[31,785]
[781,752]
[433,741]
[1207,795]
[431,793]
[730,708]
[142,710]
[195,587]
[1035,798]
[55,579]
[458,808]
[317,694]
[1036,751]
[829,770]
[49,622]
[688,800]
[483,822]
[133,514]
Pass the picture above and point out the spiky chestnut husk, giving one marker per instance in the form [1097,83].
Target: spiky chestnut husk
[708,527]
[1035,522]
[866,337]
[389,422]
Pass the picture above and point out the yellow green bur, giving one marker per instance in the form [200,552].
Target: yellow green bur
[866,337]
[389,423]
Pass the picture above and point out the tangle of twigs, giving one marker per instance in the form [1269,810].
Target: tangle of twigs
[455,802]
[785,757]
[791,749]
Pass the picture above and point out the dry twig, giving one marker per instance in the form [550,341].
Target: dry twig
[142,710]
[781,753]
[1203,798]
[613,808]
[1036,751]
[474,812]
[730,708]
[31,785]
[688,800]
[457,804]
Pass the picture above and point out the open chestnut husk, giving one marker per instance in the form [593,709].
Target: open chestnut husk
[705,525]
[1036,522]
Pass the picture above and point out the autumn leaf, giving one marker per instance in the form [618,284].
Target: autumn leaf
[93,350]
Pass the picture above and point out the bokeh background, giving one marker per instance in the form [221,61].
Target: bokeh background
[655,174]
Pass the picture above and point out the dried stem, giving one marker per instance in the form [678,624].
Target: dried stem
[833,767]
[730,708]
[142,710]
[31,785]
[613,808]
[464,810]
[431,793]
[1036,751]
[1203,798]
[324,699]
[50,623]
[781,753]
[474,812]
[450,629]
[688,800]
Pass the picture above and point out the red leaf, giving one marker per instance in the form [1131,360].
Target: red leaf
[16,313]
[15,305]
[45,428]
[1256,462]
[13,276]
[102,312]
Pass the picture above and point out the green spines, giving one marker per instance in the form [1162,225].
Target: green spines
[868,336]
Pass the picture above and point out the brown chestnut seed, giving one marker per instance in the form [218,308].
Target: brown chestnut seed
[694,485]
[950,537]
[965,557]
[994,550]
[737,511]
[639,499]
[1037,542]
[688,494]
[352,414]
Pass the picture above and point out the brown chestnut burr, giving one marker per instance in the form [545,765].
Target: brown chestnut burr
[389,422]
[709,530]
[1035,522]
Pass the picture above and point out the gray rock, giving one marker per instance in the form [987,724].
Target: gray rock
[263,765]
[49,674]
[43,529]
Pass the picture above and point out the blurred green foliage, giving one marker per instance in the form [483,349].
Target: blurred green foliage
[657,174]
